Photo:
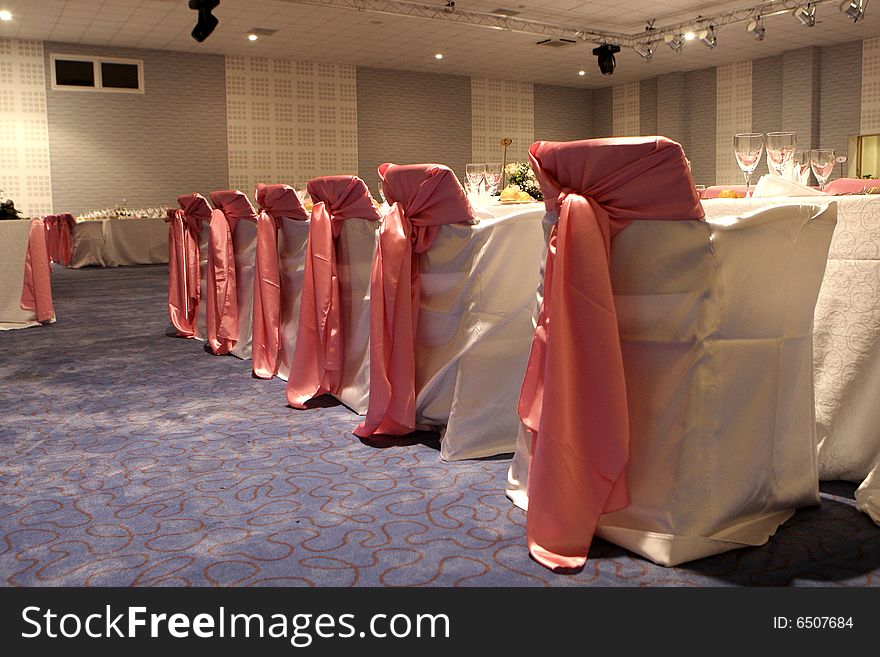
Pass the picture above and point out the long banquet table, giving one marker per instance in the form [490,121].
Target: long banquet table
[846,343]
[116,242]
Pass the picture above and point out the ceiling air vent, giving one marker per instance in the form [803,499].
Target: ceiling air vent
[503,11]
[556,43]
[262,31]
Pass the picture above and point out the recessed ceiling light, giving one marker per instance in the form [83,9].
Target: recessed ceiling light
[689,36]
[439,55]
[582,72]
[5,15]
[252,37]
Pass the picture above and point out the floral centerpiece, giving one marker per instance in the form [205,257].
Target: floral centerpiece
[520,174]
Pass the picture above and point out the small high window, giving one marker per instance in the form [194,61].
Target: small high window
[77,72]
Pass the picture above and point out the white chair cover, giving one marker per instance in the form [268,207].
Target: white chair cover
[716,331]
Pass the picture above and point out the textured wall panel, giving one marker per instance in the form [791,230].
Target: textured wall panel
[144,148]
[733,96]
[841,92]
[408,118]
[501,108]
[25,174]
[289,121]
[563,113]
[625,116]
[603,112]
[648,107]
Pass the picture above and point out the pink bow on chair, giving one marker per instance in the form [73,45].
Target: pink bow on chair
[230,207]
[277,203]
[573,398]
[184,268]
[423,197]
[317,361]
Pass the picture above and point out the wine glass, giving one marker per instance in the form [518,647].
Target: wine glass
[493,177]
[748,147]
[822,163]
[780,148]
[474,174]
[801,161]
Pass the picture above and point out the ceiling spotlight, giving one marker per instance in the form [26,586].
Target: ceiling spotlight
[206,21]
[756,28]
[855,9]
[689,36]
[582,72]
[605,53]
[5,15]
[674,41]
[438,56]
[252,37]
[806,15]
[708,37]
[645,51]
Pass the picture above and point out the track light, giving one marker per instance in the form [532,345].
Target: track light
[605,54]
[806,15]
[645,51]
[708,37]
[855,9]
[206,21]
[674,41]
[756,28]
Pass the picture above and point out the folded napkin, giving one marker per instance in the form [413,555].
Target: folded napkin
[770,185]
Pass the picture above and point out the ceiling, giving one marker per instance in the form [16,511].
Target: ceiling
[345,36]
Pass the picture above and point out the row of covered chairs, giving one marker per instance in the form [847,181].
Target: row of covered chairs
[659,394]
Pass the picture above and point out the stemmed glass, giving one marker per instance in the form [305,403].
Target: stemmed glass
[493,177]
[475,173]
[748,147]
[780,148]
[822,163]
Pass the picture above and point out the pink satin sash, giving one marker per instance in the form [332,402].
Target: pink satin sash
[36,291]
[316,367]
[423,197]
[184,261]
[64,238]
[277,202]
[230,207]
[573,398]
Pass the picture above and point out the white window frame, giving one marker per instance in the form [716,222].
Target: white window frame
[96,66]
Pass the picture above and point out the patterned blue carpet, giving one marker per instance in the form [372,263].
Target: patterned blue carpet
[130,458]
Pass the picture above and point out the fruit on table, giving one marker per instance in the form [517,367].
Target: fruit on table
[728,193]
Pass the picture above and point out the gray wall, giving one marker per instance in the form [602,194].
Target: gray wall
[562,113]
[407,118]
[841,97]
[648,107]
[766,100]
[146,148]
[603,112]
[701,112]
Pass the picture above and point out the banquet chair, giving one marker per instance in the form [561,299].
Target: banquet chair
[50,221]
[64,238]
[708,442]
[232,249]
[328,338]
[282,232]
[25,275]
[451,303]
[188,229]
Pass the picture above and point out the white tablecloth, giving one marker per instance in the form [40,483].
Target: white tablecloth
[13,247]
[846,343]
[115,242]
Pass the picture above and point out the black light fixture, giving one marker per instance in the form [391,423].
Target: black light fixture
[806,15]
[605,54]
[855,9]
[206,21]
